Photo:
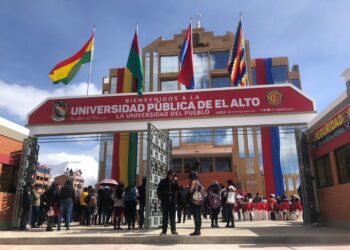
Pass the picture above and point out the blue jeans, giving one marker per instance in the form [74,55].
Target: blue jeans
[66,210]
[35,216]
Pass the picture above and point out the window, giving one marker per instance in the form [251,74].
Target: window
[253,76]
[175,138]
[290,185]
[169,64]
[196,136]
[201,70]
[168,85]
[342,157]
[250,137]
[220,82]
[240,134]
[147,71]
[188,163]
[324,173]
[279,74]
[113,89]
[288,151]
[177,165]
[144,148]
[261,161]
[155,70]
[219,59]
[296,83]
[206,165]
[8,178]
[223,164]
[223,136]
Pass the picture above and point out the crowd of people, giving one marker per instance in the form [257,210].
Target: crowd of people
[119,205]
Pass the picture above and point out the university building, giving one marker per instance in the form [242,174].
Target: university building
[223,153]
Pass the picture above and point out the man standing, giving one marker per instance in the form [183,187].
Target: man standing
[35,208]
[166,191]
[27,201]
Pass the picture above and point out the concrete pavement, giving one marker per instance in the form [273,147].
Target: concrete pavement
[256,232]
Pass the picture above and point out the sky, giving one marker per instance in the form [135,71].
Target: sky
[38,34]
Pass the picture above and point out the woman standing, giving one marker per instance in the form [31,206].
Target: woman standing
[197,199]
[230,201]
[118,205]
[67,197]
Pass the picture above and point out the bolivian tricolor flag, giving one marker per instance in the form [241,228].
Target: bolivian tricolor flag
[66,70]
[124,161]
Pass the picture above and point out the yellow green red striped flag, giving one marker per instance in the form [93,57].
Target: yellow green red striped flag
[66,70]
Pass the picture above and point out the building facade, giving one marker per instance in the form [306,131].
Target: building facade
[69,174]
[329,136]
[11,145]
[42,178]
[223,153]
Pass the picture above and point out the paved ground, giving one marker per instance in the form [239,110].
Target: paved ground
[256,232]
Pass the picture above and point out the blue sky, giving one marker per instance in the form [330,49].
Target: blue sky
[36,35]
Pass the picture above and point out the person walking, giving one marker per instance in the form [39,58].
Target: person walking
[197,198]
[142,202]
[118,205]
[130,200]
[50,200]
[214,203]
[67,197]
[35,208]
[26,204]
[166,192]
[230,201]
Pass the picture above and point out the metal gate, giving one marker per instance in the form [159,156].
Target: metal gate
[27,167]
[158,163]
[306,180]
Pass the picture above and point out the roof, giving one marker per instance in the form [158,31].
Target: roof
[13,130]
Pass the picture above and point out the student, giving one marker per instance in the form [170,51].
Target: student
[130,200]
[230,201]
[197,199]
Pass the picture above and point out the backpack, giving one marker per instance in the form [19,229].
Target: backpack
[130,194]
[198,194]
[93,201]
[214,200]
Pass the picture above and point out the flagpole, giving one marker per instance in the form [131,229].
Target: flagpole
[92,57]
[245,51]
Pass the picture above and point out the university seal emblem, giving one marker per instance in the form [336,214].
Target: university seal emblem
[59,111]
[274,98]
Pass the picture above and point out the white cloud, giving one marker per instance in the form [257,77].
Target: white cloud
[87,162]
[28,97]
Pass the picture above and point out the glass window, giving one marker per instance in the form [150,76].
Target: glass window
[175,138]
[169,64]
[290,184]
[206,165]
[342,157]
[113,86]
[324,173]
[168,85]
[261,160]
[240,134]
[147,77]
[220,82]
[279,74]
[223,136]
[155,70]
[288,151]
[196,136]
[188,163]
[250,137]
[296,83]
[201,70]
[223,164]
[109,155]
[177,165]
[253,76]
[8,178]
[219,59]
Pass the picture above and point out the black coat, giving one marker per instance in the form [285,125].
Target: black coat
[167,190]
[27,197]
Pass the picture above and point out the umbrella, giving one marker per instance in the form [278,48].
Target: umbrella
[109,182]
